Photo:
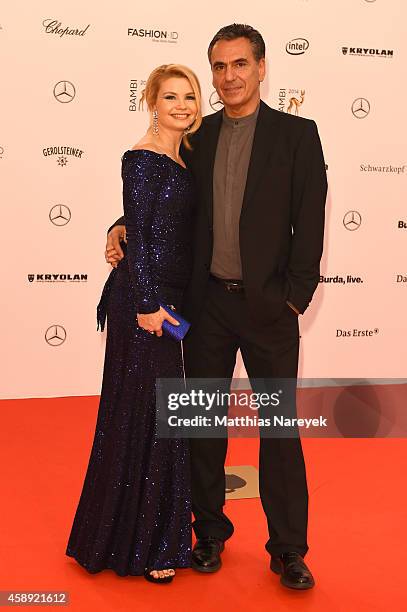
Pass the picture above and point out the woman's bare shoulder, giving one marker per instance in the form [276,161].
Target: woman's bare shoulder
[146,145]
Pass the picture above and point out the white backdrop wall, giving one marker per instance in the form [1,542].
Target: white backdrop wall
[79,90]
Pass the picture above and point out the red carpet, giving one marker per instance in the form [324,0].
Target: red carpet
[356,536]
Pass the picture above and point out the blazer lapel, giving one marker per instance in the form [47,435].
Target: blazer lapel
[208,152]
[263,144]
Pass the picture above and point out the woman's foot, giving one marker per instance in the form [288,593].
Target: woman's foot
[159,576]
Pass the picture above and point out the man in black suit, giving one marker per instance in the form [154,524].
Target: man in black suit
[258,242]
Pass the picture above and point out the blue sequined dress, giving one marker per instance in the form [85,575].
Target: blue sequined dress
[134,510]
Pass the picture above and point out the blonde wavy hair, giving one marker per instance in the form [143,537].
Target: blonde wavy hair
[166,71]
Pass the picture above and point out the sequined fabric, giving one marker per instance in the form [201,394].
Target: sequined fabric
[134,510]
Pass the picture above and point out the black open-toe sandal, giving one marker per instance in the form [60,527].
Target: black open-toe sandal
[150,578]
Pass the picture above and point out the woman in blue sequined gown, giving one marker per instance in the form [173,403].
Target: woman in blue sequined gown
[134,513]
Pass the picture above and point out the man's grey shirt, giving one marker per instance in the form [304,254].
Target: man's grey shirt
[229,183]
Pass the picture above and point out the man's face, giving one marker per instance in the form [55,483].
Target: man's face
[236,75]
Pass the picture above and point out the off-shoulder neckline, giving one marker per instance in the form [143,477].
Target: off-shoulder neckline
[155,153]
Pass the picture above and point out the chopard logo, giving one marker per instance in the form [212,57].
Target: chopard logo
[297,46]
[57,278]
[53,26]
[366,52]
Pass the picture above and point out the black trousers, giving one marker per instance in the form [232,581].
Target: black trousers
[210,350]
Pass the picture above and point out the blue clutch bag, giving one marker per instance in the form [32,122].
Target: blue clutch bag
[176,332]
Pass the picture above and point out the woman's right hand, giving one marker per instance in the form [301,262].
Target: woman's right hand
[152,321]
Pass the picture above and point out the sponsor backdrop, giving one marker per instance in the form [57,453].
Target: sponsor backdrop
[72,74]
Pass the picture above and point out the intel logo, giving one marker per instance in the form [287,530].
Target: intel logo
[297,46]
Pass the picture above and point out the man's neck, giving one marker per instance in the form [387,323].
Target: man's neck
[242,111]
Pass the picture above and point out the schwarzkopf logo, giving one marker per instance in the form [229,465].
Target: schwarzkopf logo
[297,46]
[352,220]
[62,153]
[55,335]
[215,102]
[53,26]
[383,169]
[365,52]
[360,108]
[58,278]
[59,215]
[154,35]
[64,91]
[136,86]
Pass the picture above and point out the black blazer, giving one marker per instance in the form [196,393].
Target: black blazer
[281,228]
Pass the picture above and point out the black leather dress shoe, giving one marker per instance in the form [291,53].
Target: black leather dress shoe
[294,573]
[206,555]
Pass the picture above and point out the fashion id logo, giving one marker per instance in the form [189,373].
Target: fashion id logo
[154,35]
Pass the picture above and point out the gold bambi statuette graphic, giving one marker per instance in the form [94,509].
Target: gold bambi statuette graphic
[295,102]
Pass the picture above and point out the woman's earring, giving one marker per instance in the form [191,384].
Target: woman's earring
[155,122]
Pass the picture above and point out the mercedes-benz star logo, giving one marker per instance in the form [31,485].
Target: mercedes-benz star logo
[55,335]
[64,91]
[352,220]
[360,108]
[60,214]
[215,102]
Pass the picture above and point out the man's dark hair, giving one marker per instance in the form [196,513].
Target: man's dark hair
[240,30]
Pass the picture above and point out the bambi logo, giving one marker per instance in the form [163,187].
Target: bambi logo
[296,103]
